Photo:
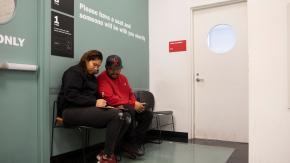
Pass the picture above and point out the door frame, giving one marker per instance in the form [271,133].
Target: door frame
[193,9]
[43,120]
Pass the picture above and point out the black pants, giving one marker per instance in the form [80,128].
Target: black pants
[116,122]
[139,126]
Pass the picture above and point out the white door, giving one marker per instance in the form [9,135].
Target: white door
[221,73]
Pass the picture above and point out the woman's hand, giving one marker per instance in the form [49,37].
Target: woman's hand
[101,103]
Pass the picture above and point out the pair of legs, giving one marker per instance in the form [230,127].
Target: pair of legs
[115,121]
[139,126]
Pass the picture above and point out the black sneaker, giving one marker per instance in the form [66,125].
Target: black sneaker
[132,150]
[130,155]
[140,150]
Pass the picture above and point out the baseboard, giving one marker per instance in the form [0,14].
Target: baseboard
[168,135]
[77,155]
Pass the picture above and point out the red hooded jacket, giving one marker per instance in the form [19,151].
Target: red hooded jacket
[115,91]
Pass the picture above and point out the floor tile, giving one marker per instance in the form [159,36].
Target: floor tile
[174,152]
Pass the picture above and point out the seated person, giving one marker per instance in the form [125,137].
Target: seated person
[115,89]
[78,103]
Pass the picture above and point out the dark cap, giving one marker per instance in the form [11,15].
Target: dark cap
[114,61]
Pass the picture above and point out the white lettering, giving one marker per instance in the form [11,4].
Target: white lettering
[140,37]
[107,21]
[56,2]
[82,6]
[104,16]
[131,34]
[109,25]
[115,28]
[8,40]
[88,18]
[120,22]
[15,43]
[11,40]
[56,22]
[1,39]
[89,10]
[21,41]
[123,30]
[127,26]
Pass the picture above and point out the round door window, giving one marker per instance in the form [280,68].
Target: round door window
[7,9]
[221,38]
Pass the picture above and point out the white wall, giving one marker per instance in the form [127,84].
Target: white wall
[269,116]
[171,74]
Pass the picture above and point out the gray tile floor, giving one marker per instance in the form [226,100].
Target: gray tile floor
[240,154]
[196,151]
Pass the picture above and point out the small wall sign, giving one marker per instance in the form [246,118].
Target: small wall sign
[177,46]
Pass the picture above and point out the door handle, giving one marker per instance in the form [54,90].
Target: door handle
[17,66]
[199,80]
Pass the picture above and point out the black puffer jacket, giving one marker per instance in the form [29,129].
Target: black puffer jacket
[77,89]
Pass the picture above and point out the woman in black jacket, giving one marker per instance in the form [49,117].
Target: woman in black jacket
[79,104]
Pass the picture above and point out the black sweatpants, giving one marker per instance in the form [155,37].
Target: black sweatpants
[115,121]
[139,126]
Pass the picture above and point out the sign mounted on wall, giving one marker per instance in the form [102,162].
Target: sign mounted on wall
[62,35]
[65,6]
[177,46]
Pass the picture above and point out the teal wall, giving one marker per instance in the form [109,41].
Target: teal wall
[19,89]
[133,51]
[88,35]
[26,97]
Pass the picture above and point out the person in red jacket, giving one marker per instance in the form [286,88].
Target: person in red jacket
[115,89]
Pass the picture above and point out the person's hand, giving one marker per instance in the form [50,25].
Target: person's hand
[101,103]
[120,107]
[139,107]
